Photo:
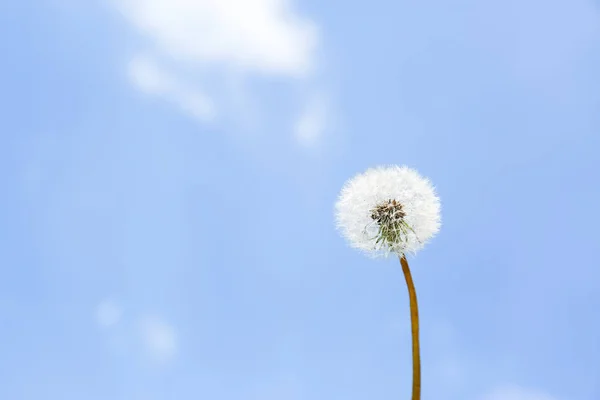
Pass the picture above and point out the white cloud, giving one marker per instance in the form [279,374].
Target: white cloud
[158,337]
[513,392]
[312,122]
[215,40]
[148,77]
[259,35]
[108,313]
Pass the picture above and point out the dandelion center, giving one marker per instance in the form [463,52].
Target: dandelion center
[393,229]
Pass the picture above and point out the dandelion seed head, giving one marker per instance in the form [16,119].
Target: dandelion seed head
[388,210]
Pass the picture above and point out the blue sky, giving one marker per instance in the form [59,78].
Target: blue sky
[169,170]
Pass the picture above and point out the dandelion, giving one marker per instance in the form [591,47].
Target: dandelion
[391,210]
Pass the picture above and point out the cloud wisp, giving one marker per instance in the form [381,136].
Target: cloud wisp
[313,121]
[255,35]
[218,41]
[150,78]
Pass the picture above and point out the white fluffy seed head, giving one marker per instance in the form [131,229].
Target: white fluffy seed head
[388,210]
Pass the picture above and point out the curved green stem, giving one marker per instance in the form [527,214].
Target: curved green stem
[414,319]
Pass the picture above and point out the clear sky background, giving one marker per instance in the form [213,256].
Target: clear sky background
[168,172]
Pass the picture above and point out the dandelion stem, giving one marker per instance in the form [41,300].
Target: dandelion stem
[414,319]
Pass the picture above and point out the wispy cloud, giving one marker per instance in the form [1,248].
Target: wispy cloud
[221,39]
[256,35]
[150,78]
[313,121]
